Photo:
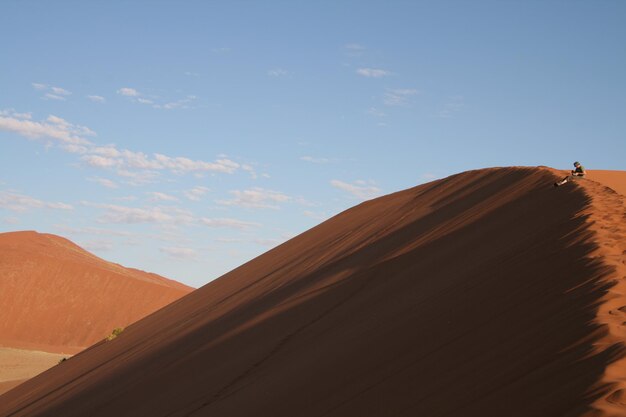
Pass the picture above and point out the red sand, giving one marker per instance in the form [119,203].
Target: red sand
[612,179]
[57,297]
[481,294]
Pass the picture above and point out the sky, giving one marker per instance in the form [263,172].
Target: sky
[188,137]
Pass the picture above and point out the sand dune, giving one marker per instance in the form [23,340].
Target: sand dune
[612,179]
[57,297]
[488,293]
[16,365]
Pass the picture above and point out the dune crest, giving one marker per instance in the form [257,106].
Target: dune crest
[481,294]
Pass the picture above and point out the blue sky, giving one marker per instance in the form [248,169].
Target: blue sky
[186,137]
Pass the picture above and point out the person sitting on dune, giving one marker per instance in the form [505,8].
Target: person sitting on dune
[577,172]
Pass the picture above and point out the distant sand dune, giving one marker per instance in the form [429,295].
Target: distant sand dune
[57,297]
[18,365]
[485,294]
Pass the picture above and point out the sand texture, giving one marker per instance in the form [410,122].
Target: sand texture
[57,297]
[485,294]
[16,365]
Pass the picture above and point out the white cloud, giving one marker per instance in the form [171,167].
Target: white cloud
[52,93]
[51,96]
[107,151]
[138,178]
[277,72]
[256,198]
[91,231]
[20,203]
[373,72]
[53,128]
[128,92]
[16,115]
[196,193]
[132,215]
[60,91]
[250,169]
[183,165]
[99,161]
[178,104]
[398,97]
[360,189]
[315,160]
[104,182]
[158,196]
[10,220]
[180,253]
[145,101]
[140,168]
[228,223]
[97,99]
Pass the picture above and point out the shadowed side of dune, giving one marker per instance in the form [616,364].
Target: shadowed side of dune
[471,296]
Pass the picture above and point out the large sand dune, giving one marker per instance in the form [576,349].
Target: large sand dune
[488,293]
[57,297]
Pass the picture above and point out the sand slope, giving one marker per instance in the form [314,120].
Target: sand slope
[481,294]
[16,365]
[57,297]
[615,180]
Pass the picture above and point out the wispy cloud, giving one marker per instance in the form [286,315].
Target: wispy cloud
[373,72]
[158,196]
[128,92]
[137,167]
[256,198]
[134,215]
[315,160]
[363,190]
[97,99]
[196,193]
[97,245]
[53,127]
[184,254]
[52,92]
[21,203]
[373,111]
[60,91]
[354,47]
[156,102]
[399,97]
[228,223]
[183,103]
[452,106]
[104,182]
[96,231]
[277,72]
[314,215]
[50,96]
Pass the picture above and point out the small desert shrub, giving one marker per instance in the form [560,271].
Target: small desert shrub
[116,332]
[62,360]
